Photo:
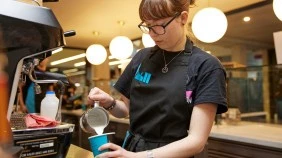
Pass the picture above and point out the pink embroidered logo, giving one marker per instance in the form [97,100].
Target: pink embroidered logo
[189,96]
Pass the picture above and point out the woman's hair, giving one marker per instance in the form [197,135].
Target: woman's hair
[159,9]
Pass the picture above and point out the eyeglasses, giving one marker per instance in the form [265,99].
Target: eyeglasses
[157,29]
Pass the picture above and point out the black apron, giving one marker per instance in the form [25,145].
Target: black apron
[159,111]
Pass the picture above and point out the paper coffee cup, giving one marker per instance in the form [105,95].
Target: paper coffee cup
[97,141]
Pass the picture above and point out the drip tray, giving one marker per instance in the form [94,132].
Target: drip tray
[45,142]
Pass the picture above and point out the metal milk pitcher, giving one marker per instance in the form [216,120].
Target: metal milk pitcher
[94,120]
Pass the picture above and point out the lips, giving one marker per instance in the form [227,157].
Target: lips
[158,42]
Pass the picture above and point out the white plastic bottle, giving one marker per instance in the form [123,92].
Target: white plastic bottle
[49,105]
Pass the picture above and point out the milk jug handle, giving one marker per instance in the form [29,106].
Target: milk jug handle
[96,104]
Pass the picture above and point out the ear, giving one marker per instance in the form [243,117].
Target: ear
[184,17]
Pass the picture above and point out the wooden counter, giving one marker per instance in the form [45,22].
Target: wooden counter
[77,152]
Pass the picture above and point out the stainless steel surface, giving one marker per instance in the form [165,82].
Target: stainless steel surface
[62,127]
[94,117]
[26,35]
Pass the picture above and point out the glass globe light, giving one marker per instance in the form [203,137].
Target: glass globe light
[147,40]
[96,54]
[277,8]
[209,25]
[121,47]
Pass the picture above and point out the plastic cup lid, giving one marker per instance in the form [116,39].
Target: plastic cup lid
[101,135]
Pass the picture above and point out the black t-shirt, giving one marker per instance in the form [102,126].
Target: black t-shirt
[207,76]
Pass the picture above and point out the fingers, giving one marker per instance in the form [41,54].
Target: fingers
[115,151]
[97,94]
[109,146]
[94,95]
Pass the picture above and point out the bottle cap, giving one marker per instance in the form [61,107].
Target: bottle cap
[50,92]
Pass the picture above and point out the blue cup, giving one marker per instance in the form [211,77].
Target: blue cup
[97,141]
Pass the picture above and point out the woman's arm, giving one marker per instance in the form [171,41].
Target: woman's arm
[121,109]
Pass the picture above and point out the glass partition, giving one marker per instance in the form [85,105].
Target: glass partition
[256,92]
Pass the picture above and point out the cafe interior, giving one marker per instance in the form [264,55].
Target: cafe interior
[89,44]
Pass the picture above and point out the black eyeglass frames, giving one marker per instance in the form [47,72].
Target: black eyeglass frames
[157,29]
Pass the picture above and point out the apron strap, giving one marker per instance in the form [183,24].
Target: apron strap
[135,143]
[130,141]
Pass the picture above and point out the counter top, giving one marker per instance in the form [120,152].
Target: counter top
[247,132]
[77,152]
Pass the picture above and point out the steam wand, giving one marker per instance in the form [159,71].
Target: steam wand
[59,114]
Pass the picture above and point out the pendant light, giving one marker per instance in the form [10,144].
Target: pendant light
[209,24]
[277,8]
[121,47]
[147,40]
[96,54]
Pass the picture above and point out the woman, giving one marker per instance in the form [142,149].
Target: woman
[167,90]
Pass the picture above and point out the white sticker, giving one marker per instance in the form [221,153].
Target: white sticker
[45,145]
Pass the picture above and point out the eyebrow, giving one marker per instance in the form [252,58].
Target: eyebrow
[163,23]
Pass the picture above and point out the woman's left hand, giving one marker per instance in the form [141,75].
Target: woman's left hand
[115,151]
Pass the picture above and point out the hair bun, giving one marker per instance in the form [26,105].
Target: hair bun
[192,2]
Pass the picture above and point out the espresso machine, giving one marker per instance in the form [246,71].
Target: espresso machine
[29,34]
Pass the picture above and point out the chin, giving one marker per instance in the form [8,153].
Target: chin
[160,44]
[163,46]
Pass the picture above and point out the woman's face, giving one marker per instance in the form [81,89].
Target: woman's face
[174,32]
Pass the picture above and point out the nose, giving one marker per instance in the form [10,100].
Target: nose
[152,33]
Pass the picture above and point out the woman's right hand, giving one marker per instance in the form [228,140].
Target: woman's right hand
[96,94]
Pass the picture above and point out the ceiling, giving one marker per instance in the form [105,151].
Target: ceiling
[88,16]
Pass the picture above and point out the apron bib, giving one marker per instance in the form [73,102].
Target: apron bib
[159,112]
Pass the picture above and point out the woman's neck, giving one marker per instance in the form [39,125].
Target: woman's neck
[179,45]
